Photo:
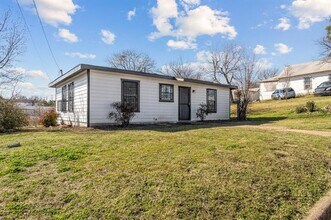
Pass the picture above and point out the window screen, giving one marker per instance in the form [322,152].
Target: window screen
[166,93]
[71,97]
[130,93]
[212,100]
[64,99]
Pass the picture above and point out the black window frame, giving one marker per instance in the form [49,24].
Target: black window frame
[309,79]
[172,94]
[64,100]
[207,100]
[138,91]
[71,94]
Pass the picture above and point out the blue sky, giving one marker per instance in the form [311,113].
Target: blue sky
[280,32]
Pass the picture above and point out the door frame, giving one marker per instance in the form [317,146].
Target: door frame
[189,97]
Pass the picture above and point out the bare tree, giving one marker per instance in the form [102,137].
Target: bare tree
[245,80]
[288,71]
[182,70]
[224,63]
[325,44]
[132,60]
[11,46]
[268,73]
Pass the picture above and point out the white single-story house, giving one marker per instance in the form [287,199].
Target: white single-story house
[303,78]
[85,93]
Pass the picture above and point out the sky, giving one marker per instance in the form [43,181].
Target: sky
[279,32]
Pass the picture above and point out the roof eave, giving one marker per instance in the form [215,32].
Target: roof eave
[81,67]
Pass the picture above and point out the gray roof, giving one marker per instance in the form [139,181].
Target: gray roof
[302,69]
[82,67]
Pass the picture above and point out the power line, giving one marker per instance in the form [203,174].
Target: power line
[43,29]
[33,42]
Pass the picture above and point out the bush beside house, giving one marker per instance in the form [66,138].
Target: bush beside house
[11,116]
[48,118]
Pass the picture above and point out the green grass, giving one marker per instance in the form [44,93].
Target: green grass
[281,113]
[192,171]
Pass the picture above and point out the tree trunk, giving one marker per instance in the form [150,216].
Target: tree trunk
[242,110]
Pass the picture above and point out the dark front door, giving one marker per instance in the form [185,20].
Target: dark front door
[184,103]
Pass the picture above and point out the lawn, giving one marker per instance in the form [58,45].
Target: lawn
[175,172]
[281,113]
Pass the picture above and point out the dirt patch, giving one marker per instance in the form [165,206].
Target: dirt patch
[274,128]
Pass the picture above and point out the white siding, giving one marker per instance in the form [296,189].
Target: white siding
[266,89]
[106,89]
[79,116]
[297,83]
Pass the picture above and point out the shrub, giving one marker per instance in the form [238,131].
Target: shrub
[11,116]
[48,118]
[300,109]
[311,106]
[123,113]
[202,112]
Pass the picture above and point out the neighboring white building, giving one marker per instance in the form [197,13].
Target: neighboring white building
[84,96]
[33,109]
[303,78]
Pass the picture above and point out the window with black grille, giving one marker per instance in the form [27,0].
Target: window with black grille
[71,97]
[130,93]
[212,100]
[64,98]
[166,93]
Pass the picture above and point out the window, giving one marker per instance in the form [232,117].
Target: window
[212,100]
[71,97]
[166,93]
[64,99]
[307,83]
[130,93]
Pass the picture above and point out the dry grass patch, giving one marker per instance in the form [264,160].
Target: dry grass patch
[176,172]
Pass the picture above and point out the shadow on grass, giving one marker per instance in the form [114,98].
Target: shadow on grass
[160,127]
[176,127]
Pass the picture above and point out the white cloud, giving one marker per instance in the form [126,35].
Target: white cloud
[26,85]
[204,21]
[188,24]
[283,48]
[67,36]
[187,4]
[181,45]
[264,63]
[107,37]
[310,11]
[36,74]
[283,6]
[30,89]
[284,24]
[131,14]
[203,56]
[165,10]
[31,73]
[81,55]
[53,12]
[259,49]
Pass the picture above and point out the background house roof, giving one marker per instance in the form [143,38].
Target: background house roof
[302,69]
[81,67]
